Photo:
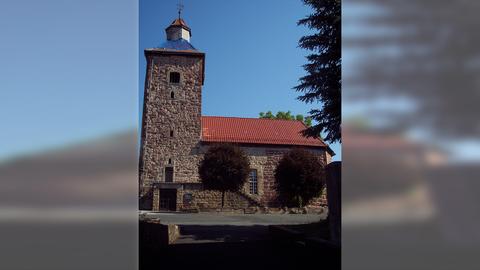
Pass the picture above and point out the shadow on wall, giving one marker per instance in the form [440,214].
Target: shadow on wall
[146,201]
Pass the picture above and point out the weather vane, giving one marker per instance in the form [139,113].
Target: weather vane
[180,8]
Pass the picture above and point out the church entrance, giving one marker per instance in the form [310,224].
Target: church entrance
[168,199]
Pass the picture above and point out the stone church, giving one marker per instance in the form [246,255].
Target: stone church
[175,135]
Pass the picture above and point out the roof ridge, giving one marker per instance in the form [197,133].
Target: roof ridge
[254,118]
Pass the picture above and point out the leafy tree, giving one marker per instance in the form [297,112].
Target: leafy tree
[308,121]
[299,178]
[323,80]
[287,116]
[224,168]
[268,115]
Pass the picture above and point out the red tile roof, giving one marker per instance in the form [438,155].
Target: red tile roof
[256,131]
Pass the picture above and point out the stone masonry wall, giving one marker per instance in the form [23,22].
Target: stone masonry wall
[264,160]
[163,114]
[273,157]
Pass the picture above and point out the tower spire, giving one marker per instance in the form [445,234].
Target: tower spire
[178,29]
[180,8]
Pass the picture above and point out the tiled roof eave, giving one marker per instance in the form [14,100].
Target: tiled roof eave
[243,141]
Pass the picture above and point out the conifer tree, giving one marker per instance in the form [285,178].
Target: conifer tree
[322,83]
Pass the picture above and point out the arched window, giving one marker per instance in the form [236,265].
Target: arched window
[172,95]
[174,77]
[171,133]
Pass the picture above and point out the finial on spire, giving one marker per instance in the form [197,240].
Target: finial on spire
[178,29]
[180,8]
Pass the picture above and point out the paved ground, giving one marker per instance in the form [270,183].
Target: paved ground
[234,241]
[234,219]
[198,228]
[197,234]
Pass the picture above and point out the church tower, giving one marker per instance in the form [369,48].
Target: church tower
[171,124]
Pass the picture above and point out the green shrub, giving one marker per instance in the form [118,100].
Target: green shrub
[224,168]
[299,178]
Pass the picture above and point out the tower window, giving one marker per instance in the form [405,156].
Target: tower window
[169,174]
[171,133]
[172,95]
[253,182]
[174,77]
[169,161]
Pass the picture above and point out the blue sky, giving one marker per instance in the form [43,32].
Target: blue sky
[252,58]
[69,72]
[72,70]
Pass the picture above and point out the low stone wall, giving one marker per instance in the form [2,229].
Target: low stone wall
[153,234]
[264,210]
[173,233]
[209,199]
[334,183]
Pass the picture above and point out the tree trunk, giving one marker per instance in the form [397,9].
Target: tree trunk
[223,198]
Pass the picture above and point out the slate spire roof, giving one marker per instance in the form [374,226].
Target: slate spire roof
[178,37]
